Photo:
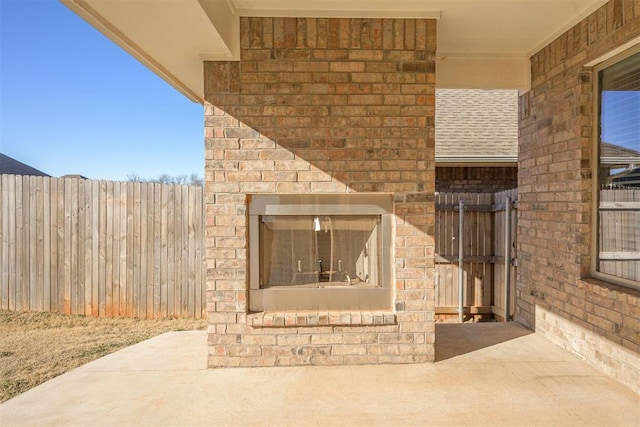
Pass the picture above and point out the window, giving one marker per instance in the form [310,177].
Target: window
[617,249]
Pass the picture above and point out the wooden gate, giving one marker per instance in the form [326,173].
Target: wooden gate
[488,223]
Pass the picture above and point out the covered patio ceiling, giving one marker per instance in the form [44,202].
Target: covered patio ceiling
[481,43]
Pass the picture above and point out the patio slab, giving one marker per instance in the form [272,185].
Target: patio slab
[486,374]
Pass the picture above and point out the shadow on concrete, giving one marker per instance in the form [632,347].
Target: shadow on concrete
[453,339]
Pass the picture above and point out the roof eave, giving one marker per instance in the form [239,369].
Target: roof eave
[486,161]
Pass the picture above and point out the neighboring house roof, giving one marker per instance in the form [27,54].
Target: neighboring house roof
[74,175]
[11,166]
[624,165]
[476,126]
[616,154]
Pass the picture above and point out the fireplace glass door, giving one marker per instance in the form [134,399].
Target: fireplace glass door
[320,251]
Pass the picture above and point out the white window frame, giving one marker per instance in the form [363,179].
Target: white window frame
[595,229]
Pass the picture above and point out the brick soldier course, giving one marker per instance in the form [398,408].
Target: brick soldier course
[322,106]
[467,179]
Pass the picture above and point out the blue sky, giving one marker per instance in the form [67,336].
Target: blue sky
[72,102]
[620,113]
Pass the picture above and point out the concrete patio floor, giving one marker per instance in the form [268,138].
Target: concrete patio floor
[486,374]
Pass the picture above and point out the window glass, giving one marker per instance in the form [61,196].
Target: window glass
[618,249]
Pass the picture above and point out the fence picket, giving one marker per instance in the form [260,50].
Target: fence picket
[199,261]
[137,251]
[38,237]
[88,247]
[95,244]
[185,250]
[80,245]
[108,249]
[20,244]
[130,236]
[121,254]
[102,249]
[178,251]
[4,243]
[73,257]
[66,233]
[32,284]
[171,253]
[10,210]
[53,232]
[192,250]
[144,246]
[115,250]
[164,251]
[149,221]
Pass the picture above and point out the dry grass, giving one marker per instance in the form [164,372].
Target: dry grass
[35,347]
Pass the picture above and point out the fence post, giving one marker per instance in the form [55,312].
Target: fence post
[507,260]
[461,262]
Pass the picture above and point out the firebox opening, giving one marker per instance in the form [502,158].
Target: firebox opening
[320,252]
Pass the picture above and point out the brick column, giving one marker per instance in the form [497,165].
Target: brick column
[322,106]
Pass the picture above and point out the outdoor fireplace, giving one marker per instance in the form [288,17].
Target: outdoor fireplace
[320,252]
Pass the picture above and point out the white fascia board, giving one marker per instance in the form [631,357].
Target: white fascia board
[310,12]
[620,160]
[443,161]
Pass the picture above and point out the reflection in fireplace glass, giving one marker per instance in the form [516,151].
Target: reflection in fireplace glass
[322,251]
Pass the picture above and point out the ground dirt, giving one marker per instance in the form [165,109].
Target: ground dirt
[35,347]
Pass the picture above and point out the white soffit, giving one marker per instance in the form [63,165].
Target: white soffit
[482,73]
[168,37]
[481,43]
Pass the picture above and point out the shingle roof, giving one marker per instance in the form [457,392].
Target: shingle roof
[11,166]
[475,125]
[613,154]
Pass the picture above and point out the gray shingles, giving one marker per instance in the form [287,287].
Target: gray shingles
[476,123]
[612,153]
[11,166]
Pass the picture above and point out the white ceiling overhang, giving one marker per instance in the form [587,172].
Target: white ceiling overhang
[481,43]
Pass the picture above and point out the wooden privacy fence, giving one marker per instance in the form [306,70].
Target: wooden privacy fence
[619,239]
[101,248]
[484,243]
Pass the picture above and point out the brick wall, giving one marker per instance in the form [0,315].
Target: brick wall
[323,106]
[596,321]
[476,179]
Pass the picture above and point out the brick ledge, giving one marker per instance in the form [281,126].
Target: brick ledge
[283,319]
